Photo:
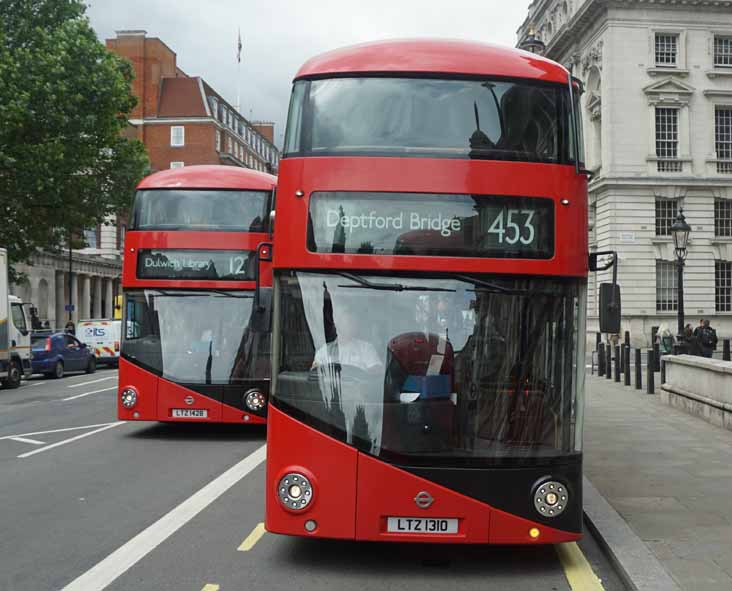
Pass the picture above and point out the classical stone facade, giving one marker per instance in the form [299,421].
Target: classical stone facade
[657,114]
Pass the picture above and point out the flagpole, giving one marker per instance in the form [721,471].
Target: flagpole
[238,72]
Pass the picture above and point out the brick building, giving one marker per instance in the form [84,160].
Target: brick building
[182,120]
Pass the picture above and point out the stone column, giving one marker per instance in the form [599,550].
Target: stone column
[108,299]
[61,294]
[97,311]
[85,296]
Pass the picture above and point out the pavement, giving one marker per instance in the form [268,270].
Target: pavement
[88,503]
[669,475]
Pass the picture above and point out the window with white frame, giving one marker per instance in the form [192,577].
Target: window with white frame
[666,287]
[229,144]
[177,136]
[665,215]
[722,51]
[218,140]
[723,139]
[667,50]
[723,286]
[91,237]
[667,139]
[723,218]
[177,164]
[214,103]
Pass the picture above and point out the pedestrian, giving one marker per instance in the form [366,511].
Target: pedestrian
[69,328]
[707,339]
[693,347]
[35,321]
[46,325]
[665,339]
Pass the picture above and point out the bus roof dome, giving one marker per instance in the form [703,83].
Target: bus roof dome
[434,56]
[210,177]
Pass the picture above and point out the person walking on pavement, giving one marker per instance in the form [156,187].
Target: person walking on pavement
[707,339]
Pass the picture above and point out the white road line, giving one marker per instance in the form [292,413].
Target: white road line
[65,441]
[29,385]
[58,430]
[118,562]
[88,393]
[24,440]
[92,382]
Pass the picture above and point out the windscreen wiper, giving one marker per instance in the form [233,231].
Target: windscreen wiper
[388,286]
[228,294]
[487,285]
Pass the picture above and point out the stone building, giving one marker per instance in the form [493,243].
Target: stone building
[657,114]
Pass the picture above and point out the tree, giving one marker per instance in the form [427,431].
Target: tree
[64,102]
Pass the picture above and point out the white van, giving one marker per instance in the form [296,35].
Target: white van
[102,337]
[15,352]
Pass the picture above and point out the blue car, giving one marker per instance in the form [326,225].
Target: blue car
[56,353]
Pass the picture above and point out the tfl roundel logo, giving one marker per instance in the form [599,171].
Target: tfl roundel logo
[189,400]
[423,500]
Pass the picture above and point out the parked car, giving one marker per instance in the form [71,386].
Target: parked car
[54,354]
[103,337]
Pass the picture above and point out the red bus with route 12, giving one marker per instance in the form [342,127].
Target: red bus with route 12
[195,346]
[429,302]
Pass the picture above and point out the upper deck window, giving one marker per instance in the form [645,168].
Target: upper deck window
[195,210]
[444,118]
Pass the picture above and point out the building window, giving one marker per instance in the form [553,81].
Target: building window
[177,136]
[665,216]
[723,286]
[723,51]
[666,288]
[667,49]
[218,140]
[229,144]
[121,231]
[177,164]
[90,237]
[667,139]
[723,218]
[723,139]
[214,104]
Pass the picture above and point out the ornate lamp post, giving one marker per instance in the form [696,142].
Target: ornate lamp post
[680,231]
[532,43]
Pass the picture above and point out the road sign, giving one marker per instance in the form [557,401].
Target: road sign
[69,307]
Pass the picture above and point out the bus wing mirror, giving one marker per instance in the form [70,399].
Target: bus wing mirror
[610,305]
[264,254]
[262,311]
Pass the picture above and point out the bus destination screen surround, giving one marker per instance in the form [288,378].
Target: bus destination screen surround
[215,265]
[431,225]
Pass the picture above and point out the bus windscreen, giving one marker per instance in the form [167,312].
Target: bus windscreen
[431,224]
[200,210]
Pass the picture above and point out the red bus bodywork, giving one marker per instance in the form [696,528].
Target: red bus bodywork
[354,492]
[156,395]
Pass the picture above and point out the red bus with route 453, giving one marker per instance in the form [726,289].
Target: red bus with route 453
[429,303]
[194,347]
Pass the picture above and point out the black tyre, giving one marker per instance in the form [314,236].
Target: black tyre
[58,370]
[14,375]
[92,365]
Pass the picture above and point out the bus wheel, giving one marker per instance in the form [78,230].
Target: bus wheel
[92,366]
[58,370]
[14,375]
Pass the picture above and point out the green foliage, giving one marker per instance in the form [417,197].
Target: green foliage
[64,102]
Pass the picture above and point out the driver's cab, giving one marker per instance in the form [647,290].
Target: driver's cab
[20,334]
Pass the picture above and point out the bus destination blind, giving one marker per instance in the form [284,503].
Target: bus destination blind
[431,225]
[212,265]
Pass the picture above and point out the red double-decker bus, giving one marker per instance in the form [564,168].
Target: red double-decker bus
[195,346]
[429,302]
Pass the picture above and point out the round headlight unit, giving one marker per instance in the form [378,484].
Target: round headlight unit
[295,491]
[128,397]
[551,498]
[254,400]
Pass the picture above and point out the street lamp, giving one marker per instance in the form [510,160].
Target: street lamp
[680,231]
[532,43]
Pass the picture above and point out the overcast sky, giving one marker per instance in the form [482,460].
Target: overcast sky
[279,35]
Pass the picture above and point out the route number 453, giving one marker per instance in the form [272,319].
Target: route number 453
[506,226]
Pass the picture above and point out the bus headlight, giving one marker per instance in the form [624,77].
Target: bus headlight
[128,397]
[551,498]
[254,400]
[295,491]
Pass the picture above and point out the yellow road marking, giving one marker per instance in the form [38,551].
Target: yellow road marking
[252,538]
[211,587]
[576,568]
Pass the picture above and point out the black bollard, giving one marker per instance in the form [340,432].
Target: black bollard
[725,350]
[650,364]
[656,357]
[626,363]
[617,363]
[663,371]
[609,362]
[601,359]
[638,370]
